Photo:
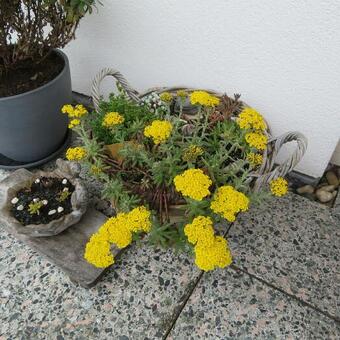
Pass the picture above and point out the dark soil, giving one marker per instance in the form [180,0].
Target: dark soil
[48,189]
[30,76]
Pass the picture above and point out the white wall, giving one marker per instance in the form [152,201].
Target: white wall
[283,56]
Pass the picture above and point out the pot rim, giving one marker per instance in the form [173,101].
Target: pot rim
[50,83]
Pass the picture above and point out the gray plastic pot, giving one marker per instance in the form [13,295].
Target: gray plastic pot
[31,124]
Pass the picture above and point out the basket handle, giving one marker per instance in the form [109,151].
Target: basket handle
[95,90]
[269,170]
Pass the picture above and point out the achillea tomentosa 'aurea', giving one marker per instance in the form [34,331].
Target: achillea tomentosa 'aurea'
[227,202]
[193,183]
[257,140]
[203,98]
[210,251]
[76,154]
[254,158]
[251,119]
[111,119]
[116,230]
[159,131]
[279,186]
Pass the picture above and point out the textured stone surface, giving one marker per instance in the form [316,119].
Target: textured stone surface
[135,299]
[231,305]
[66,249]
[294,244]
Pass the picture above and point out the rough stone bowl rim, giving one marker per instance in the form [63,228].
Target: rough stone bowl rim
[32,230]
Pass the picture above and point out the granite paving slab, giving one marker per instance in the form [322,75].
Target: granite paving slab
[229,304]
[136,298]
[292,243]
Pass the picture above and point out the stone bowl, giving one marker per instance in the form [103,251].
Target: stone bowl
[79,200]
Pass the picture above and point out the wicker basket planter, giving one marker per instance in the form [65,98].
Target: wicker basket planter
[269,170]
[178,161]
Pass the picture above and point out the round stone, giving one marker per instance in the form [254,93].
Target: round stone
[60,209]
[15,200]
[20,207]
[52,212]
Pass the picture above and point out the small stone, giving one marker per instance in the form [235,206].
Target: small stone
[64,181]
[60,209]
[306,189]
[328,188]
[37,181]
[52,212]
[324,196]
[44,202]
[35,200]
[15,200]
[332,178]
[65,189]
[20,207]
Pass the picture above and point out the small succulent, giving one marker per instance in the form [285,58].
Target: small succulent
[34,207]
[154,103]
[63,195]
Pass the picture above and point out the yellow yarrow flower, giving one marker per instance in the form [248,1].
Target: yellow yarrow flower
[139,219]
[97,252]
[257,140]
[111,119]
[116,230]
[254,158]
[203,98]
[251,119]
[200,231]
[79,111]
[227,202]
[159,131]
[166,97]
[279,186]
[67,109]
[191,153]
[182,94]
[193,183]
[76,154]
[216,255]
[73,123]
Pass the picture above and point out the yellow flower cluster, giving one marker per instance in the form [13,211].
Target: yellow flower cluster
[192,152]
[76,154]
[254,158]
[257,140]
[218,255]
[182,94]
[74,112]
[166,97]
[73,123]
[111,119]
[116,230]
[203,98]
[210,251]
[279,186]
[159,131]
[227,202]
[193,183]
[200,231]
[77,111]
[251,119]
[97,251]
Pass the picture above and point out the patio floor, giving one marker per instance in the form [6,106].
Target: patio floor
[284,283]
